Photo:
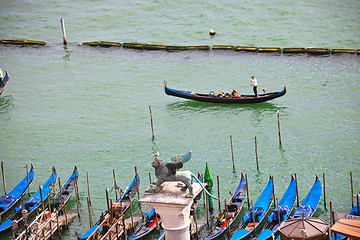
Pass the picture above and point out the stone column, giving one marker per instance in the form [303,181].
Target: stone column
[174,209]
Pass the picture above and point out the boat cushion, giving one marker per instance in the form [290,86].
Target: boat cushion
[31,201]
[308,211]
[6,201]
[284,210]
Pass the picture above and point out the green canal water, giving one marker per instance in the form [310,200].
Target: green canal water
[89,107]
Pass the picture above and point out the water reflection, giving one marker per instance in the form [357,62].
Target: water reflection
[197,106]
[66,57]
[6,104]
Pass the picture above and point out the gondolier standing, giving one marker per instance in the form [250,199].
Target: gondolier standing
[254,84]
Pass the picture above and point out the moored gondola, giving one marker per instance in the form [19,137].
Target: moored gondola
[118,209]
[50,218]
[280,213]
[257,214]
[223,97]
[9,200]
[231,212]
[32,203]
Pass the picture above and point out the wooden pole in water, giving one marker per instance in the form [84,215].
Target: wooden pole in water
[218,187]
[89,211]
[297,191]
[226,222]
[138,190]
[357,203]
[77,197]
[3,176]
[273,189]
[88,186]
[131,212]
[64,206]
[152,125]
[115,186]
[324,190]
[150,177]
[196,225]
[278,117]
[247,190]
[256,153]
[63,30]
[42,200]
[278,207]
[232,153]
[111,213]
[107,200]
[50,213]
[207,210]
[352,190]
[54,186]
[253,213]
[28,182]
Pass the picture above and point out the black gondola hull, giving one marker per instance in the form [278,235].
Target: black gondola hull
[245,99]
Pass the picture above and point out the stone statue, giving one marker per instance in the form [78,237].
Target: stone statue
[168,172]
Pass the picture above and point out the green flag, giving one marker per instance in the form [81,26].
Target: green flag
[209,181]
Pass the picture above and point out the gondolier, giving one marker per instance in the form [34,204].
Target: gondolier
[254,84]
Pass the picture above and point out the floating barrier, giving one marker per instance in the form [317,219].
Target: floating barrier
[89,43]
[269,49]
[176,48]
[154,47]
[223,47]
[22,42]
[141,46]
[200,47]
[246,49]
[109,44]
[334,51]
[294,50]
[317,50]
[133,45]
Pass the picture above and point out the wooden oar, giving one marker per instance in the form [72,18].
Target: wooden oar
[264,90]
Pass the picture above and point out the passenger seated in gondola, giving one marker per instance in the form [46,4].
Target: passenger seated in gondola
[235,94]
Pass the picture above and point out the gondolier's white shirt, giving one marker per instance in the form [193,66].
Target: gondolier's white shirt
[254,82]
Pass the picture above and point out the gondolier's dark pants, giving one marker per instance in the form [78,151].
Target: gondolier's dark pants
[255,90]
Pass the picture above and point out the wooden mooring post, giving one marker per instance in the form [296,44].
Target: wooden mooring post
[352,190]
[278,118]
[218,188]
[256,154]
[232,153]
[63,30]
[152,125]
[3,176]
[324,190]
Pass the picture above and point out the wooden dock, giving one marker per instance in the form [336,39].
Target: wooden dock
[45,226]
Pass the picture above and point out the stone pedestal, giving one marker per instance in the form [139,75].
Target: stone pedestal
[173,207]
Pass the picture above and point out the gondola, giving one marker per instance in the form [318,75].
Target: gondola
[3,82]
[7,202]
[57,204]
[257,214]
[231,212]
[286,206]
[311,201]
[32,203]
[151,222]
[119,208]
[223,97]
